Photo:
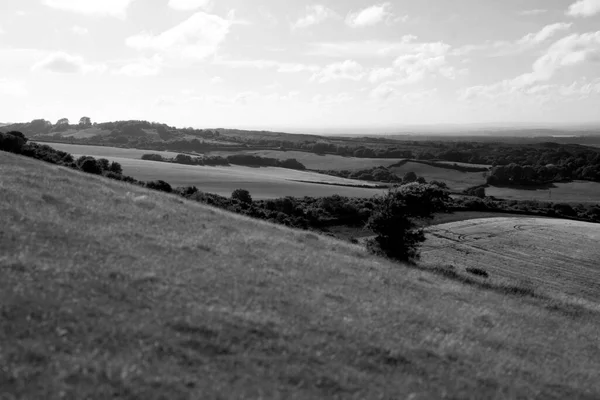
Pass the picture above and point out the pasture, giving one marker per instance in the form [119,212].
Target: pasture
[320,162]
[106,151]
[262,183]
[456,180]
[554,255]
[571,192]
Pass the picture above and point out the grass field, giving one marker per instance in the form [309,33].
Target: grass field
[558,256]
[321,162]
[456,180]
[262,183]
[107,152]
[572,192]
[113,291]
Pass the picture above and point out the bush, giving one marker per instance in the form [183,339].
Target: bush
[159,185]
[12,142]
[478,272]
[242,195]
[89,165]
[394,220]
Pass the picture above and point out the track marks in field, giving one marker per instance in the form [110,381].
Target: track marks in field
[556,255]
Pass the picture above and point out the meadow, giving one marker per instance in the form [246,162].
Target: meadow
[456,180]
[552,255]
[570,192]
[322,162]
[107,151]
[109,290]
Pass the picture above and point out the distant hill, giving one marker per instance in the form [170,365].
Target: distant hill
[112,290]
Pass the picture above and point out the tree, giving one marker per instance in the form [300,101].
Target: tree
[89,165]
[394,221]
[12,142]
[85,121]
[242,195]
[409,177]
[63,121]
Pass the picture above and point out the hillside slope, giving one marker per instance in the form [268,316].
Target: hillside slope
[111,290]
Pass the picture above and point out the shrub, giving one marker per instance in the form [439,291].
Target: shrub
[89,165]
[159,185]
[394,220]
[478,272]
[12,142]
[242,195]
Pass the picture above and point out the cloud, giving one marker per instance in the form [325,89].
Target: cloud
[195,38]
[216,80]
[113,8]
[187,5]
[350,70]
[536,11]
[141,68]
[524,44]
[380,74]
[78,30]
[63,63]
[367,48]
[584,8]
[572,50]
[329,99]
[12,88]
[279,66]
[369,16]
[544,34]
[315,14]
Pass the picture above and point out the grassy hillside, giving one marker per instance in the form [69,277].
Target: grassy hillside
[110,290]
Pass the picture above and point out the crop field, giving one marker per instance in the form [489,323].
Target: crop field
[572,192]
[460,164]
[106,152]
[551,254]
[263,183]
[456,180]
[321,162]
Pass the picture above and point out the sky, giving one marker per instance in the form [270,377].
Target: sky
[300,64]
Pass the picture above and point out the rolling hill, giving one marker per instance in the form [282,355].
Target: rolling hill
[112,290]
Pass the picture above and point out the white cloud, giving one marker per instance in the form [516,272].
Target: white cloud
[141,68]
[369,16]
[331,99]
[279,66]
[63,63]
[369,48]
[12,88]
[572,50]
[216,80]
[380,74]
[536,11]
[584,8]
[315,14]
[348,69]
[544,34]
[114,8]
[186,5]
[195,38]
[383,92]
[78,30]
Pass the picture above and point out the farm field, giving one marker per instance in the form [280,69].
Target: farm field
[460,164]
[572,192]
[106,151]
[456,180]
[320,162]
[262,183]
[556,256]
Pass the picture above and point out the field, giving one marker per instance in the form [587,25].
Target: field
[107,152]
[262,183]
[463,164]
[109,290]
[556,256]
[572,192]
[456,180]
[321,162]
